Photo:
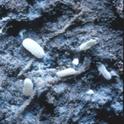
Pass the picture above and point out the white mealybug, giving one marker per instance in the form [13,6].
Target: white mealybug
[90,92]
[66,72]
[105,73]
[75,61]
[28,87]
[33,47]
[87,45]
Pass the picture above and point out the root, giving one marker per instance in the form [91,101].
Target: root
[27,67]
[70,23]
[26,104]
[17,23]
[61,31]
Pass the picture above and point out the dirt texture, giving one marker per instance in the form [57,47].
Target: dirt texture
[60,26]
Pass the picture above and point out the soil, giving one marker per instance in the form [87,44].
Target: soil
[63,101]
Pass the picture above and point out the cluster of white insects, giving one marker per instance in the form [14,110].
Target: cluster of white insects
[35,49]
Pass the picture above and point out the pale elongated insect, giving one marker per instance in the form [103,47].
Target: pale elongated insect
[66,72]
[105,73]
[33,47]
[28,87]
[87,45]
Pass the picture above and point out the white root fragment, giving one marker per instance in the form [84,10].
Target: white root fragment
[87,45]
[66,72]
[75,61]
[25,68]
[28,87]
[1,31]
[105,73]
[25,105]
[33,47]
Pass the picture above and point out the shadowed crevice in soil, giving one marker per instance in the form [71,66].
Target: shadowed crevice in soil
[109,117]
[48,14]
[118,24]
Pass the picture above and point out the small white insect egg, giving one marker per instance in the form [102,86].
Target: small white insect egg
[87,45]
[90,92]
[105,73]
[28,87]
[75,61]
[33,47]
[66,72]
